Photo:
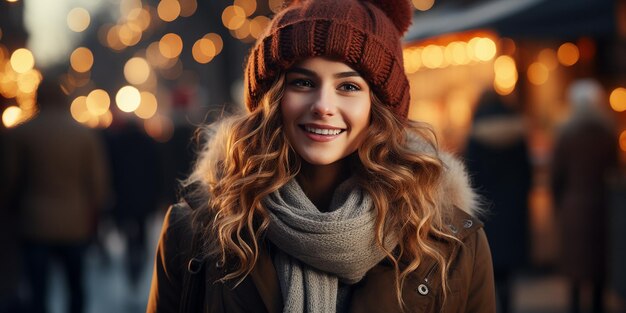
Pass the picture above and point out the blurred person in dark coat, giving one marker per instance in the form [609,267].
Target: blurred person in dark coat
[136,179]
[56,167]
[584,155]
[498,161]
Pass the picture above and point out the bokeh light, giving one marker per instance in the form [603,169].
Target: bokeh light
[622,140]
[105,120]
[148,106]
[129,34]
[168,10]
[275,5]
[170,45]
[412,60]
[233,17]
[159,127]
[484,48]
[137,70]
[22,60]
[617,99]
[548,58]
[217,41]
[28,82]
[11,116]
[188,7]
[258,25]
[81,59]
[568,54]
[203,50]
[128,99]
[538,73]
[98,102]
[423,5]
[248,6]
[79,110]
[432,56]
[78,19]
[506,74]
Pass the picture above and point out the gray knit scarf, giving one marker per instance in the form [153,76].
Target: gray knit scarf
[319,249]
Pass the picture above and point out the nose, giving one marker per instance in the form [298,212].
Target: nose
[323,104]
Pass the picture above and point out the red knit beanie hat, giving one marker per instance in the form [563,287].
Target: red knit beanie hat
[364,34]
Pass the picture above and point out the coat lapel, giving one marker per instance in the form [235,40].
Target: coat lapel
[264,277]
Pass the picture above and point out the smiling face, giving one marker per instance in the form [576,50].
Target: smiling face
[325,110]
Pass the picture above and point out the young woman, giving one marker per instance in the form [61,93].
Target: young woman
[323,197]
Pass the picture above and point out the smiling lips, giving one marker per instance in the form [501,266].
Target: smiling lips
[321,133]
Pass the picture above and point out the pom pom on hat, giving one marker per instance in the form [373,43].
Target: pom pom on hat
[399,12]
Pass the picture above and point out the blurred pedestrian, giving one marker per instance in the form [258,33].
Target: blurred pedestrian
[136,178]
[585,153]
[57,167]
[497,159]
[323,196]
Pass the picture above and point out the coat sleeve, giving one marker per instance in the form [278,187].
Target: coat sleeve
[481,297]
[168,273]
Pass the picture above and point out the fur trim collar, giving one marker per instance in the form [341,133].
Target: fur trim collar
[455,189]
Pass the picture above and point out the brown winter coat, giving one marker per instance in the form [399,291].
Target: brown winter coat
[470,276]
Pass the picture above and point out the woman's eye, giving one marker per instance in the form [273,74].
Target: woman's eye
[301,83]
[349,87]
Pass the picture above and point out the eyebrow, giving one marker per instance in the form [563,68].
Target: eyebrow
[306,72]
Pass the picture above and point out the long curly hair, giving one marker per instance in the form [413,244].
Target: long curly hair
[248,156]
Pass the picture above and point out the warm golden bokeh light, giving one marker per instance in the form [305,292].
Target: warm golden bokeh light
[506,74]
[275,5]
[217,41]
[128,99]
[113,39]
[159,127]
[459,109]
[548,58]
[538,73]
[139,18]
[168,10]
[412,60]
[98,102]
[78,19]
[507,46]
[622,140]
[129,34]
[188,7]
[568,54]
[79,111]
[11,116]
[617,99]
[148,106]
[233,17]
[171,45]
[28,82]
[248,6]
[423,5]
[484,49]
[456,53]
[105,120]
[81,60]
[258,26]
[242,32]
[137,70]
[127,6]
[22,60]
[432,56]
[203,51]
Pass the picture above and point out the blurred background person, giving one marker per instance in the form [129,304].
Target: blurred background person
[584,155]
[497,159]
[56,167]
[136,179]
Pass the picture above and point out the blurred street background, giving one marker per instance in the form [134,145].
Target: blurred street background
[531,94]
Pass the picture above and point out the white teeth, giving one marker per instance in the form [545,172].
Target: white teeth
[323,131]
